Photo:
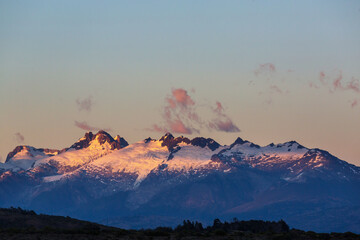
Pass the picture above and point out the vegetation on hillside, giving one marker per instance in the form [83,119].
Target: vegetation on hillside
[16,223]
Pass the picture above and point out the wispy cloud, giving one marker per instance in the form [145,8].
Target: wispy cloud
[265,69]
[354,103]
[274,84]
[180,115]
[222,122]
[313,85]
[322,77]
[334,82]
[85,126]
[19,137]
[354,85]
[85,104]
[276,89]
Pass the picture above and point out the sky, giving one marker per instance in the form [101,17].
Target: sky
[265,71]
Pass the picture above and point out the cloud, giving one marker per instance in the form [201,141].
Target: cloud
[354,85]
[266,68]
[222,122]
[157,128]
[180,115]
[224,126]
[85,104]
[19,137]
[274,84]
[313,85]
[85,126]
[354,103]
[179,127]
[181,97]
[337,84]
[322,77]
[276,89]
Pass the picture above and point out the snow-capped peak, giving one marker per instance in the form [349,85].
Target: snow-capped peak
[170,142]
[23,157]
[101,137]
[240,141]
[167,135]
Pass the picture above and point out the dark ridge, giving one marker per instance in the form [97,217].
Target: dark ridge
[167,136]
[203,142]
[240,141]
[147,140]
[16,223]
[253,226]
[84,143]
[102,137]
[17,218]
[20,148]
[170,142]
[295,142]
[119,143]
[173,151]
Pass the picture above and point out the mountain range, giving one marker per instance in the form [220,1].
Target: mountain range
[161,182]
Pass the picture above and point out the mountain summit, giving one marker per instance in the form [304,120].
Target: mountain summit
[101,137]
[101,177]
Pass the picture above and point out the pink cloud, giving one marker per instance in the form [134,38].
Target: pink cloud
[337,82]
[180,116]
[157,128]
[224,126]
[179,113]
[266,68]
[85,104]
[181,97]
[339,85]
[322,77]
[313,85]
[354,103]
[19,137]
[222,122]
[219,108]
[354,85]
[171,102]
[85,126]
[178,126]
[276,89]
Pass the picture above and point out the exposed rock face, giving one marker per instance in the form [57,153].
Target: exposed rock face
[84,142]
[119,143]
[241,142]
[170,142]
[102,137]
[205,142]
[28,149]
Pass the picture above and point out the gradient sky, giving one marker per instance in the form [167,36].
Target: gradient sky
[281,70]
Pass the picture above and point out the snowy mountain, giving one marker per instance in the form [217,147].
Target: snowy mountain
[100,177]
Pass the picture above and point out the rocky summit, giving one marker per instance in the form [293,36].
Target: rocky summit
[153,183]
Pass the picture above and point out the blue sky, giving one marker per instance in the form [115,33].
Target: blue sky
[127,57]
